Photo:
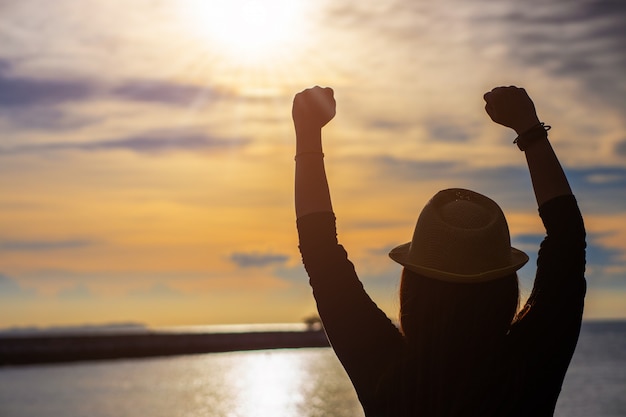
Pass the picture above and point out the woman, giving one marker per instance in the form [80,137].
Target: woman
[462,349]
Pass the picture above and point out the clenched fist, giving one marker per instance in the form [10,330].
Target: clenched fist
[313,108]
[511,107]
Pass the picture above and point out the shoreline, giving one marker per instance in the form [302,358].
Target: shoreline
[26,350]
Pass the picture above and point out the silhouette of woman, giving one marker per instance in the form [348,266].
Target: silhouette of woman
[462,349]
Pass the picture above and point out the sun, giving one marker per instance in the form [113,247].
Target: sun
[246,31]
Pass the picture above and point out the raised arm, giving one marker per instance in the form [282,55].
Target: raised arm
[312,109]
[362,336]
[512,107]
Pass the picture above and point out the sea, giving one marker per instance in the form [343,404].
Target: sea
[269,383]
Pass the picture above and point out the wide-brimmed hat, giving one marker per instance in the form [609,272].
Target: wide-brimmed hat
[460,236]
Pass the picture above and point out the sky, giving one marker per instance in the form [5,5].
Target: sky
[146,155]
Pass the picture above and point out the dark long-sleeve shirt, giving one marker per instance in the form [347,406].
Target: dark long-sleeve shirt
[540,344]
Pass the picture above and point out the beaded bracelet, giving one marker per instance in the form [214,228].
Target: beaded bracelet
[538,131]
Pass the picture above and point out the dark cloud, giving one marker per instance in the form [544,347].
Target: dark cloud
[446,131]
[163,92]
[296,275]
[598,189]
[39,246]
[609,177]
[148,143]
[77,293]
[254,259]
[384,250]
[509,186]
[39,97]
[599,256]
[48,118]
[5,66]
[599,178]
[11,289]
[527,239]
[602,256]
[387,125]
[584,40]
[373,224]
[620,148]
[158,290]
[157,143]
[17,92]
[410,170]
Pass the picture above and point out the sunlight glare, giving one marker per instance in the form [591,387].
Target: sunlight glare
[245,30]
[270,384]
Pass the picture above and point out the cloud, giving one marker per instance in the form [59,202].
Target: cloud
[295,274]
[19,92]
[42,96]
[148,143]
[447,131]
[508,185]
[47,119]
[76,293]
[383,250]
[372,224]
[600,256]
[39,96]
[5,66]
[620,148]
[257,260]
[158,290]
[41,245]
[601,259]
[582,40]
[599,189]
[410,170]
[529,240]
[163,92]
[387,125]
[11,289]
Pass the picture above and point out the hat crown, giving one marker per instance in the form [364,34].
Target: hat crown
[464,214]
[460,235]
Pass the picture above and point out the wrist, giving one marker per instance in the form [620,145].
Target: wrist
[308,140]
[529,137]
[527,126]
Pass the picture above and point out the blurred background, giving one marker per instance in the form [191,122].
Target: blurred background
[146,156]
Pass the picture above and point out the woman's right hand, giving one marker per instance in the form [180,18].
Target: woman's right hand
[511,107]
[313,108]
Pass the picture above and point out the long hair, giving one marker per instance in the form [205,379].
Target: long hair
[454,336]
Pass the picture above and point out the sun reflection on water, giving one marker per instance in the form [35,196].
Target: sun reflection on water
[268,384]
[279,383]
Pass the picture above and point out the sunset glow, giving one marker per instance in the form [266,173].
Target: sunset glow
[146,160]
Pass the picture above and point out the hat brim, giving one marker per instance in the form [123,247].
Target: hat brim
[400,254]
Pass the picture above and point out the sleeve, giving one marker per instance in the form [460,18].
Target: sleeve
[559,287]
[547,334]
[362,336]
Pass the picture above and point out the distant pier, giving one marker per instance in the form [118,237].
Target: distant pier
[21,350]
